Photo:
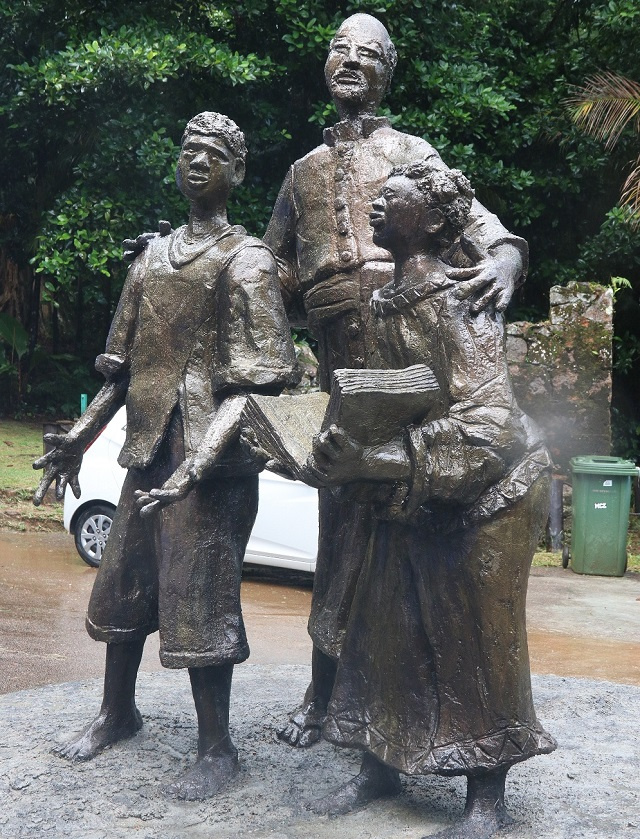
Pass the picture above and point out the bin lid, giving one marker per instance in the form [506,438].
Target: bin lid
[600,464]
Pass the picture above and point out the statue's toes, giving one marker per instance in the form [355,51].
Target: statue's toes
[290,734]
[308,736]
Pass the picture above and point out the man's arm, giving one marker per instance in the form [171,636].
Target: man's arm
[131,248]
[281,238]
[501,261]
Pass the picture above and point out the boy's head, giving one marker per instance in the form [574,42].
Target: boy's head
[419,206]
[212,158]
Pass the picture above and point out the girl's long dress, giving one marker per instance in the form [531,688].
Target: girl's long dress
[434,670]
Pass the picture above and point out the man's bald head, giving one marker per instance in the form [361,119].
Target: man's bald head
[359,66]
[371,28]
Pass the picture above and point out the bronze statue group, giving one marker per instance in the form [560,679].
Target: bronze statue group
[418,612]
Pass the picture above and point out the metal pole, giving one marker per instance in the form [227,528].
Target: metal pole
[555,532]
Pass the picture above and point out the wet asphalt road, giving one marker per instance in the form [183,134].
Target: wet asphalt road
[578,626]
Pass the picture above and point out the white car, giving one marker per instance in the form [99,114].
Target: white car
[285,534]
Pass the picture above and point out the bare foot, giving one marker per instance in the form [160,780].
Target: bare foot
[207,777]
[474,826]
[304,727]
[104,731]
[374,781]
[485,812]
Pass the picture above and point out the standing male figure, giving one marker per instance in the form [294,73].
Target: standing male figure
[199,323]
[329,263]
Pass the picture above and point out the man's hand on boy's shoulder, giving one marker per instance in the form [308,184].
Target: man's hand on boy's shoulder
[492,279]
[131,248]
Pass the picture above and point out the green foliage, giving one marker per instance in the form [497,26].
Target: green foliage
[625,433]
[14,335]
[14,343]
[56,391]
[619,283]
[20,444]
[94,98]
[603,108]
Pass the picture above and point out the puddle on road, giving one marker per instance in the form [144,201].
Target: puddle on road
[45,588]
[44,591]
[553,653]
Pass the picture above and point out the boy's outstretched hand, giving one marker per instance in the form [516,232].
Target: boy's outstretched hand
[178,486]
[61,465]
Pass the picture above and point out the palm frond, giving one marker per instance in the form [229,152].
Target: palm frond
[630,196]
[604,106]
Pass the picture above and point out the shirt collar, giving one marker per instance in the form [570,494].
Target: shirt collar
[347,130]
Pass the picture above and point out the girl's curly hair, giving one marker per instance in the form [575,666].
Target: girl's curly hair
[447,190]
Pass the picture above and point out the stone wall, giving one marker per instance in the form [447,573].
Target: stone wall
[561,371]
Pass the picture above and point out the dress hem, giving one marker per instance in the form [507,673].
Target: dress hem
[500,748]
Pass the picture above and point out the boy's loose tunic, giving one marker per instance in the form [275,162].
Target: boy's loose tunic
[193,324]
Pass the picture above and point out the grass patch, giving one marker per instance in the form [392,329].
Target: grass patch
[633,545]
[546,559]
[20,445]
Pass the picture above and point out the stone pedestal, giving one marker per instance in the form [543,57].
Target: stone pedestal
[587,788]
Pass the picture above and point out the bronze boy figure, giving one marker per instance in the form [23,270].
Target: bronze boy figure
[200,321]
[434,671]
[330,264]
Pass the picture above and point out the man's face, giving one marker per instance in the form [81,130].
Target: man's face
[400,216]
[356,70]
[207,169]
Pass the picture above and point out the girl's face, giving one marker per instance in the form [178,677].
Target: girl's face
[399,215]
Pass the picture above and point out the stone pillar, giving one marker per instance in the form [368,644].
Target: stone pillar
[561,371]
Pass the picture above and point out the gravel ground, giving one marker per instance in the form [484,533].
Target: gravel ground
[587,788]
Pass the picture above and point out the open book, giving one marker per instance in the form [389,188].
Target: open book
[373,406]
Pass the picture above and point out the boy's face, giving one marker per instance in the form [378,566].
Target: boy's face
[207,169]
[400,215]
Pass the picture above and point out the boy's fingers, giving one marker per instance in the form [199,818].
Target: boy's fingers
[74,483]
[43,486]
[41,462]
[61,485]
[149,509]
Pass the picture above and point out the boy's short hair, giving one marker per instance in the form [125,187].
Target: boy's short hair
[447,190]
[211,123]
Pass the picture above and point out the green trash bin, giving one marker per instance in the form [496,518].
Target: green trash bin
[601,499]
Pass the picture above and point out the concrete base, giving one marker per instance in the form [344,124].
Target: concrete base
[587,788]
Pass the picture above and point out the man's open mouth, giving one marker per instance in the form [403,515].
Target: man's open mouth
[197,178]
[348,78]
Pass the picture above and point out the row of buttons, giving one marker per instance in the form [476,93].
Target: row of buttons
[343,222]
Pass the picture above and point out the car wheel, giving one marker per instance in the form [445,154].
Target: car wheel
[92,531]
